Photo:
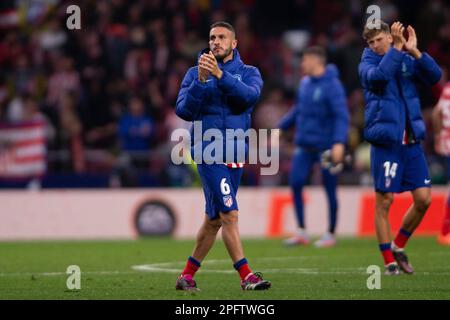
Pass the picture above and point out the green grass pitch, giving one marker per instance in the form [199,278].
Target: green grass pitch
[147,269]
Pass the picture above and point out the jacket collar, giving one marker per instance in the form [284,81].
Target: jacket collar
[370,56]
[331,71]
[234,62]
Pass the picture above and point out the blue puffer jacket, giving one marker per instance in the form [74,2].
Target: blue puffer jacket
[320,113]
[221,104]
[391,95]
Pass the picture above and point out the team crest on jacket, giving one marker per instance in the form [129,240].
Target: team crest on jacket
[317,94]
[405,70]
[228,201]
[237,76]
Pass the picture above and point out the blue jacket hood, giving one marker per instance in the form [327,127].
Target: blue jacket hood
[331,71]
[370,56]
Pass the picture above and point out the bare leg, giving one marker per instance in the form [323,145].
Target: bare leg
[411,220]
[415,213]
[232,240]
[382,205]
[230,234]
[205,238]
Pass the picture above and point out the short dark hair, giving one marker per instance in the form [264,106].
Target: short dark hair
[370,32]
[225,25]
[317,51]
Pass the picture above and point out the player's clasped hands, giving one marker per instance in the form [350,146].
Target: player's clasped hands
[203,73]
[208,63]
[411,44]
[397,32]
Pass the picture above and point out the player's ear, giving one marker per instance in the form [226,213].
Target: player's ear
[234,43]
[390,39]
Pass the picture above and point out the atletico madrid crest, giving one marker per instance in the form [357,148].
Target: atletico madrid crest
[228,201]
[387,182]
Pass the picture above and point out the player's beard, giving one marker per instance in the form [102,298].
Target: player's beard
[226,53]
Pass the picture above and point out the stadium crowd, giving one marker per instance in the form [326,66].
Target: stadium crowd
[107,92]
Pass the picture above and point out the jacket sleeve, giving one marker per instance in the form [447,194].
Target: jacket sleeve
[373,76]
[190,98]
[288,119]
[241,95]
[338,105]
[427,70]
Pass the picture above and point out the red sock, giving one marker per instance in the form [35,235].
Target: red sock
[192,265]
[446,225]
[386,251]
[402,238]
[242,267]
[388,257]
[244,271]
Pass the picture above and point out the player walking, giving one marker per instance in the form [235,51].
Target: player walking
[394,127]
[221,93]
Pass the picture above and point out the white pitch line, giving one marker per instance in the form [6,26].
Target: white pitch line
[170,267]
[146,268]
[175,271]
[174,267]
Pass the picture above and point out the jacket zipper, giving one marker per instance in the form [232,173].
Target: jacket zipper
[406,112]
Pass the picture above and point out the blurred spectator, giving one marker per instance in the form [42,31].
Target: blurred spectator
[71,131]
[64,78]
[23,76]
[53,37]
[135,127]
[271,109]
[32,113]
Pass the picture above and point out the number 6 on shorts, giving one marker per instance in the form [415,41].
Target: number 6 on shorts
[224,187]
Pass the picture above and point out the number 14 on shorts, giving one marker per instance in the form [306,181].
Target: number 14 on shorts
[390,170]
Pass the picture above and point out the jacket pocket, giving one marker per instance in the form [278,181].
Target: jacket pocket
[372,113]
[237,122]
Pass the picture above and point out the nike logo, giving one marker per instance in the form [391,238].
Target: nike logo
[427,181]
[209,80]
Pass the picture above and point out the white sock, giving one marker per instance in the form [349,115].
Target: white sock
[395,248]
